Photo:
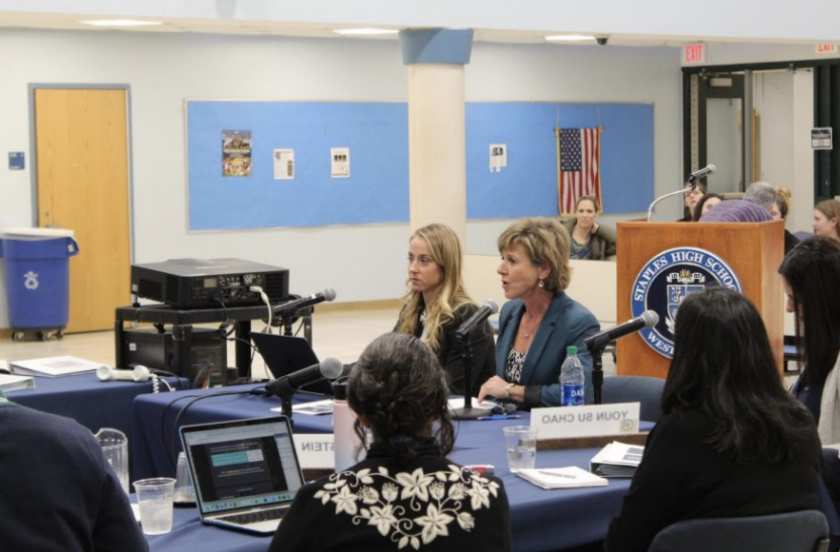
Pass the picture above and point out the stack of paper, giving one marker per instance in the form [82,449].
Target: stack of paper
[617,460]
[561,478]
[10,382]
[53,367]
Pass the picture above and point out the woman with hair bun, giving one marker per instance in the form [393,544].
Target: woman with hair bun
[405,495]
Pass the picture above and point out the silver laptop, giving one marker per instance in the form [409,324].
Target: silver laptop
[245,472]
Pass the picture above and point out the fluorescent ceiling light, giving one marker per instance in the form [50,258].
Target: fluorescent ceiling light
[569,38]
[365,32]
[120,23]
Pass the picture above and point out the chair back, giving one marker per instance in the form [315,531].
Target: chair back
[805,531]
[641,389]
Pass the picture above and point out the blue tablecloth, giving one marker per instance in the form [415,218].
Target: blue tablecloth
[94,404]
[540,519]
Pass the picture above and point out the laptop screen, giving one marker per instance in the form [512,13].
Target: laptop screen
[286,354]
[242,464]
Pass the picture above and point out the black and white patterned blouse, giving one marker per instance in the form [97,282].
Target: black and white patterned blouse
[382,503]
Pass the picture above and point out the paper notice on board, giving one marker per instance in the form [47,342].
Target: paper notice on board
[498,157]
[284,164]
[340,162]
[236,153]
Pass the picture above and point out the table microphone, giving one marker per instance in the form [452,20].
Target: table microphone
[597,342]
[488,308]
[290,308]
[329,368]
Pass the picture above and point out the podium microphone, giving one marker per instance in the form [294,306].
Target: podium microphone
[702,173]
[289,309]
[597,342]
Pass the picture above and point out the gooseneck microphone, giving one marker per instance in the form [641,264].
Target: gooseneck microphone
[289,309]
[702,173]
[597,342]
[487,309]
[329,368]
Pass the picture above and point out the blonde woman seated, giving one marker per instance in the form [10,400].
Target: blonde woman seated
[590,240]
[436,305]
[539,321]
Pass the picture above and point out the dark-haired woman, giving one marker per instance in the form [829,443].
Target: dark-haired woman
[405,495]
[733,442]
[704,204]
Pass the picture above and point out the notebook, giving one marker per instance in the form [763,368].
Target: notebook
[245,472]
[285,354]
[570,477]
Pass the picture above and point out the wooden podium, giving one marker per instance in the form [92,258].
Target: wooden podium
[753,251]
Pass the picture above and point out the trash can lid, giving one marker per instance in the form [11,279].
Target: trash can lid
[35,233]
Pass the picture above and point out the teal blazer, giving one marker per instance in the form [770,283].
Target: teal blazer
[566,322]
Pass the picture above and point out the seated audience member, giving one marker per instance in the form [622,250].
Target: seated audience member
[691,197]
[826,219]
[539,321]
[779,211]
[590,240]
[436,305]
[58,491]
[732,442]
[706,202]
[406,495]
[755,207]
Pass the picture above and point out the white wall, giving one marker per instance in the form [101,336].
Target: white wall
[162,70]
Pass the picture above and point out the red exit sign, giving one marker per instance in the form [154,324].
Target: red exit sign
[694,53]
[826,48]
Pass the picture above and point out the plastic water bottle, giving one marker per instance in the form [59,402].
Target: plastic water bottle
[572,378]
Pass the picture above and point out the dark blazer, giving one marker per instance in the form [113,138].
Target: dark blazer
[451,351]
[682,477]
[566,322]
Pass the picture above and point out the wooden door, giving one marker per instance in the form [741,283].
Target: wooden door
[82,171]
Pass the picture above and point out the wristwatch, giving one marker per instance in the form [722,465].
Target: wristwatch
[508,387]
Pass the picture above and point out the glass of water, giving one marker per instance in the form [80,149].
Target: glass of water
[521,443]
[155,499]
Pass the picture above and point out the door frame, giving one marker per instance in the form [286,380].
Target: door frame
[33,150]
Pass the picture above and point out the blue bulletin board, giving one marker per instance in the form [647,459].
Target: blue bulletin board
[376,134]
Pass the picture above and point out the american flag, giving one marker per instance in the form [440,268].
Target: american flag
[580,166]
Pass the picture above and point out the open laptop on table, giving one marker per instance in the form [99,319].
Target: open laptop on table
[245,472]
[285,354]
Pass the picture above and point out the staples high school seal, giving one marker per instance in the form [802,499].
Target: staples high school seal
[666,280]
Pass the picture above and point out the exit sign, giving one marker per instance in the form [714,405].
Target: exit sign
[694,53]
[826,48]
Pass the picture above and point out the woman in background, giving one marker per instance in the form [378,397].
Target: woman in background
[826,219]
[406,493]
[539,320]
[704,204]
[729,429]
[691,197]
[590,240]
[436,305]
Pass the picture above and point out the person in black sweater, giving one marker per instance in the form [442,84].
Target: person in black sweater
[733,442]
[405,495]
[436,305]
[57,491]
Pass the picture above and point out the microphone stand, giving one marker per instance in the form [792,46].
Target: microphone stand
[660,198]
[597,372]
[468,412]
[285,391]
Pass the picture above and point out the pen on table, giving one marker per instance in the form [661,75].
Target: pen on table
[567,476]
[498,417]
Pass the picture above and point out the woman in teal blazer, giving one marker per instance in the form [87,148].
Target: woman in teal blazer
[539,321]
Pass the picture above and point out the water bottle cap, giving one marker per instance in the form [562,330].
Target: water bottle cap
[571,350]
[340,391]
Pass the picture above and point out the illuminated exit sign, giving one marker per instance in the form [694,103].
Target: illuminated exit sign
[694,53]
[826,48]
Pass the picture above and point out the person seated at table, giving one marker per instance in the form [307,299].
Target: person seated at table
[732,442]
[590,240]
[406,494]
[58,491]
[706,202]
[690,198]
[827,219]
[436,305]
[540,320]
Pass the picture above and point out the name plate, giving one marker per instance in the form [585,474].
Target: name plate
[585,421]
[315,450]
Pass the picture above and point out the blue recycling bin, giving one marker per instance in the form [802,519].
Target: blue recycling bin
[37,280]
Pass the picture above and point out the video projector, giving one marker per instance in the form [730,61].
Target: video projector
[203,283]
